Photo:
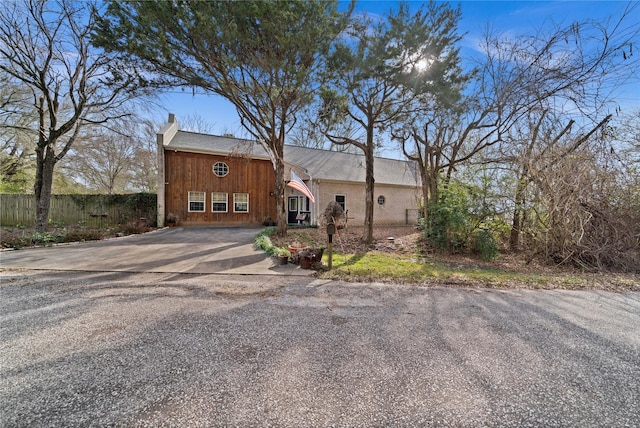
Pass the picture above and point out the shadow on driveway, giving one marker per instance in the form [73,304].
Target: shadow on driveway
[201,250]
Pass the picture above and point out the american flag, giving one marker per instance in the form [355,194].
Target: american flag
[297,183]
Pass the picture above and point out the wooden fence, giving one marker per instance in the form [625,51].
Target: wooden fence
[87,210]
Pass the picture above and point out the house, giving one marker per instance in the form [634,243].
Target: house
[213,180]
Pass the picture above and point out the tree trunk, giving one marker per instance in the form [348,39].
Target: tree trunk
[425,190]
[281,213]
[429,189]
[514,236]
[368,200]
[425,198]
[42,187]
[518,215]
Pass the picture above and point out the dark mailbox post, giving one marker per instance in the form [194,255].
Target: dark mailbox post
[331,230]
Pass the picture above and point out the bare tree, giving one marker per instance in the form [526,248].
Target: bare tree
[100,159]
[196,123]
[582,207]
[117,159]
[540,135]
[16,133]
[625,131]
[143,174]
[601,57]
[44,47]
[585,213]
[437,144]
[564,69]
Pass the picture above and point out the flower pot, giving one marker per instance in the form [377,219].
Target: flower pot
[306,261]
[283,259]
[295,250]
[296,253]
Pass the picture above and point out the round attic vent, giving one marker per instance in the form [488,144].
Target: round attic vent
[220,169]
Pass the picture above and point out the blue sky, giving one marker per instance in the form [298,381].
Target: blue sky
[515,17]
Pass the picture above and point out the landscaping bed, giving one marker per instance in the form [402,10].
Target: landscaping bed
[24,237]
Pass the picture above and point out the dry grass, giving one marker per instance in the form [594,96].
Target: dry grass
[349,241]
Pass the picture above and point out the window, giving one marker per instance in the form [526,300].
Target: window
[219,202]
[196,201]
[299,203]
[293,203]
[240,202]
[381,200]
[342,200]
[220,169]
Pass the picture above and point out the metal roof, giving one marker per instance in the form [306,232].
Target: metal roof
[318,164]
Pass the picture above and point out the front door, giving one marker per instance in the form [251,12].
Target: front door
[293,209]
[298,209]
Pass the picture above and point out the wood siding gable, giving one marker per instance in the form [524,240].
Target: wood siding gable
[185,172]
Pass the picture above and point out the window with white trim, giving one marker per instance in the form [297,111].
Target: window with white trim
[293,203]
[219,202]
[196,201]
[220,169]
[240,202]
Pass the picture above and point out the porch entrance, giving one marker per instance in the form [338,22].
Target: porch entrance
[298,210]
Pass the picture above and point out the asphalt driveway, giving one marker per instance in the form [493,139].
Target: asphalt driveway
[82,348]
[170,250]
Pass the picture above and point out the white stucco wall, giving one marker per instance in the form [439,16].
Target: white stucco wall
[393,212]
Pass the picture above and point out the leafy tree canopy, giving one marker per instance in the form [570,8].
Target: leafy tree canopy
[262,56]
[259,55]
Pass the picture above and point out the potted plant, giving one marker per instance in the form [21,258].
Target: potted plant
[311,258]
[268,221]
[295,249]
[171,220]
[283,257]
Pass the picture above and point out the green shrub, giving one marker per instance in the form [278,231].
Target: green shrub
[450,221]
[457,222]
[45,238]
[484,244]
[263,242]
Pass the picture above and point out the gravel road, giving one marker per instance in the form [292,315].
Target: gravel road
[131,349]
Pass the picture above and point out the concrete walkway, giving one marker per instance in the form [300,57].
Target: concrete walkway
[198,250]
